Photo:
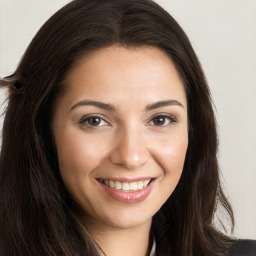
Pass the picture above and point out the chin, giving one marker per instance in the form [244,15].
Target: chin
[121,217]
[128,222]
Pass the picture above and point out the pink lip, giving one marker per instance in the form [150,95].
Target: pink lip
[127,179]
[129,197]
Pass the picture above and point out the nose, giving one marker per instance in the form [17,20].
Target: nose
[130,150]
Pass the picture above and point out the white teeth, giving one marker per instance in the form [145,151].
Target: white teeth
[118,185]
[140,184]
[145,182]
[133,186]
[127,186]
[111,184]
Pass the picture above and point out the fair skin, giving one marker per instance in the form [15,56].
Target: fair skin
[122,122]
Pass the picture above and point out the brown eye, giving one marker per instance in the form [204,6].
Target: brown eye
[159,121]
[93,121]
[162,120]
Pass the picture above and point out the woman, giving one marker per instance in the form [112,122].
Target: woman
[109,140]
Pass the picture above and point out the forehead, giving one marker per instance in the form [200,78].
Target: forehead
[114,73]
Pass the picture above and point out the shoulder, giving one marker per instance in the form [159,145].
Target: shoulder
[243,248]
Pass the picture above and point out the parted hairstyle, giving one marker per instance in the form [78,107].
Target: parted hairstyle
[36,211]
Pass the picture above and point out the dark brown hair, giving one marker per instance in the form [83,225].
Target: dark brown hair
[36,216]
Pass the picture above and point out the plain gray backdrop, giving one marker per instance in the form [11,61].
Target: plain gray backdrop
[223,34]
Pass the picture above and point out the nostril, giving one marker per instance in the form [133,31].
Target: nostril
[129,150]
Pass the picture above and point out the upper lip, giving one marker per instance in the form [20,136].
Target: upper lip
[126,179]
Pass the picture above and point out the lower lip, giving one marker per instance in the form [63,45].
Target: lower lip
[129,197]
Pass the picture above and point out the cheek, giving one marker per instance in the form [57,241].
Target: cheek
[78,156]
[171,154]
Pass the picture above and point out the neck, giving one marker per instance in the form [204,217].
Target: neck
[123,241]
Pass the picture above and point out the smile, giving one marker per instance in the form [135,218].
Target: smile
[128,191]
[126,186]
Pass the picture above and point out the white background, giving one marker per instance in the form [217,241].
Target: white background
[223,33]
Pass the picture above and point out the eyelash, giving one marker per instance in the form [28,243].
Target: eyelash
[85,120]
[172,119]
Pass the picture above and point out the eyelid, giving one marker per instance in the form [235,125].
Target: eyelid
[85,117]
[172,118]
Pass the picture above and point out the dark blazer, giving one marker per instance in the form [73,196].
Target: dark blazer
[243,248]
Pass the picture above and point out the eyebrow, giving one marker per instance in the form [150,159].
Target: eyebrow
[111,107]
[98,104]
[163,104]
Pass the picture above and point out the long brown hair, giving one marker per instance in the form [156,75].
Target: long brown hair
[35,208]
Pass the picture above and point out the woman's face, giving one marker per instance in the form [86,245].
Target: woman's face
[121,134]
